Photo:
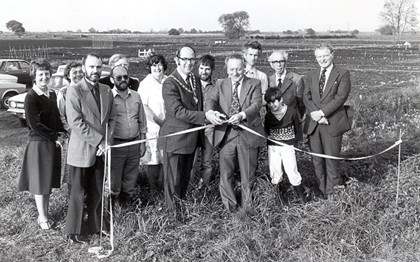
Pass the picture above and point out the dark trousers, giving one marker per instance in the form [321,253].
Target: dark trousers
[233,154]
[124,169]
[326,170]
[176,170]
[205,169]
[85,182]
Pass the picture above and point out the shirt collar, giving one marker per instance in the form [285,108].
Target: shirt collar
[329,68]
[184,76]
[240,81]
[90,83]
[204,84]
[282,76]
[39,92]
[115,93]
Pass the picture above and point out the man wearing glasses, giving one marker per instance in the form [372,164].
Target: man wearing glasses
[130,126]
[290,84]
[183,100]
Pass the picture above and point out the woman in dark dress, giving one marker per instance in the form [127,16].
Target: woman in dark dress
[42,161]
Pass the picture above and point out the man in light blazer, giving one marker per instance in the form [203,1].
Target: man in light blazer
[183,100]
[291,85]
[89,112]
[326,90]
[237,147]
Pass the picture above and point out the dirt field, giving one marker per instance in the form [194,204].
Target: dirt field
[361,223]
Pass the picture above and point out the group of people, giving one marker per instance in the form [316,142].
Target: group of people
[241,113]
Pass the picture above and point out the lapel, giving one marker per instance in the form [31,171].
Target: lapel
[103,93]
[244,90]
[286,83]
[272,80]
[189,95]
[330,81]
[87,97]
[226,94]
[315,85]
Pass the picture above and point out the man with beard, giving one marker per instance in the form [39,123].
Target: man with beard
[130,125]
[89,109]
[205,70]
[183,101]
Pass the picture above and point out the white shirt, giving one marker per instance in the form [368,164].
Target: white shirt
[281,77]
[327,74]
[257,74]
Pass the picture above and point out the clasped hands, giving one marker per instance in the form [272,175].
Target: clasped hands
[217,118]
[102,148]
[319,117]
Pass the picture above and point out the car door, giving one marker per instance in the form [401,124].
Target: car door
[25,73]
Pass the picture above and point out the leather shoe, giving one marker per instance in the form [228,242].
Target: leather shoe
[77,239]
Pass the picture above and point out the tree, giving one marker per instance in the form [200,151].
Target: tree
[92,30]
[173,31]
[400,14]
[16,27]
[386,30]
[310,31]
[235,24]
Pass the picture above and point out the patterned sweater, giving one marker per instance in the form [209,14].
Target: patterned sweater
[287,130]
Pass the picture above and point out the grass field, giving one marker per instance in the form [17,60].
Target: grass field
[361,223]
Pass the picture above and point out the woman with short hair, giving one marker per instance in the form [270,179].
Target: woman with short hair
[150,91]
[42,160]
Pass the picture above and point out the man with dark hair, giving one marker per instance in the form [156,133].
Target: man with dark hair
[326,90]
[130,125]
[90,114]
[205,69]
[183,100]
[251,51]
[239,98]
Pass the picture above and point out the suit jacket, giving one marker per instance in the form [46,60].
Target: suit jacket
[336,92]
[291,89]
[88,125]
[181,113]
[220,99]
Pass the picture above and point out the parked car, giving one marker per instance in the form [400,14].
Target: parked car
[57,81]
[17,67]
[9,88]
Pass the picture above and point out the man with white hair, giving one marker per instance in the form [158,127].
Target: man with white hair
[291,85]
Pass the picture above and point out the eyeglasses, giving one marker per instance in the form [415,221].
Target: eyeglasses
[278,62]
[185,59]
[119,78]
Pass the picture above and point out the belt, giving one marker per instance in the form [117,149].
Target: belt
[126,140]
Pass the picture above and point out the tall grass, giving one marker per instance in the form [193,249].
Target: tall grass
[361,223]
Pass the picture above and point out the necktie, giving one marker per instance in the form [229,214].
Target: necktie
[235,107]
[190,87]
[280,83]
[322,82]
[96,95]
[187,80]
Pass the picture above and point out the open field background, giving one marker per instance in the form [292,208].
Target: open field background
[361,223]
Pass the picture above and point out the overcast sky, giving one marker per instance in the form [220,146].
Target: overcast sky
[140,15]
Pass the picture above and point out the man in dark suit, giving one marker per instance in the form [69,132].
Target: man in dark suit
[238,97]
[326,90]
[89,109]
[290,84]
[183,100]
